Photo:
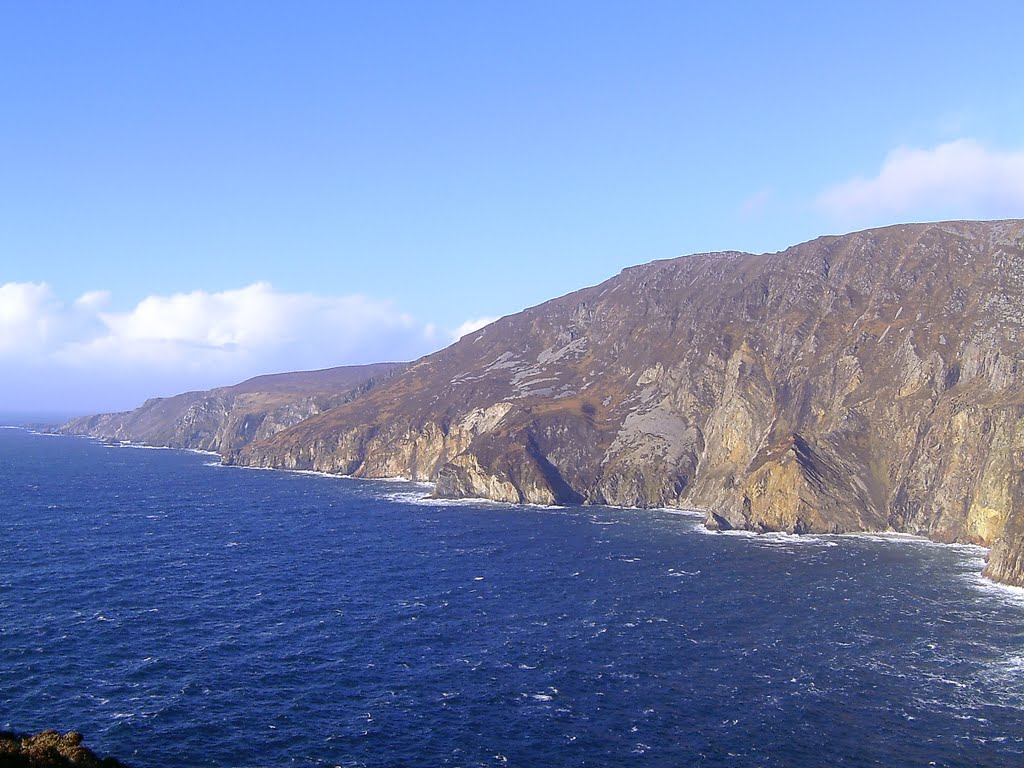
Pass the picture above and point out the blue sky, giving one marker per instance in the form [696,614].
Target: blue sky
[195,192]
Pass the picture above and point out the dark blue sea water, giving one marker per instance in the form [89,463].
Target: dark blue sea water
[184,614]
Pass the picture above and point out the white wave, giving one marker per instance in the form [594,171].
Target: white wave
[683,512]
[423,498]
[418,496]
[973,553]
[147,447]
[398,479]
[888,537]
[1004,592]
[310,472]
[740,534]
[783,539]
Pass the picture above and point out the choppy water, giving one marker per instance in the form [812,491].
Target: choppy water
[183,614]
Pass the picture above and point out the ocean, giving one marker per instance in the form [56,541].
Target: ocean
[180,613]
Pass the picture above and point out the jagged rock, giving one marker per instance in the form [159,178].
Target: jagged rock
[50,749]
[870,381]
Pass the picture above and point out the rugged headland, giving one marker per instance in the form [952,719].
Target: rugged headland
[866,382]
[226,418]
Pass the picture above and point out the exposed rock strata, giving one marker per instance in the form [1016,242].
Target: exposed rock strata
[868,382]
[227,418]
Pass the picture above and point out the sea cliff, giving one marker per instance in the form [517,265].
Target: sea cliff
[227,418]
[864,382]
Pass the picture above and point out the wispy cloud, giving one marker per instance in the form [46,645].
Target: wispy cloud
[757,204]
[168,343]
[959,179]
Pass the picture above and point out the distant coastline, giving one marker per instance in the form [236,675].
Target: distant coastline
[36,419]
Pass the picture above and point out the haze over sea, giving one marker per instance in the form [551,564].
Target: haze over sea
[180,613]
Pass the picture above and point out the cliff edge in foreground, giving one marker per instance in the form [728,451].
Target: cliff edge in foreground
[867,382]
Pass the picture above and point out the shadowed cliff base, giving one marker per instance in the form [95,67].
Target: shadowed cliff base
[50,749]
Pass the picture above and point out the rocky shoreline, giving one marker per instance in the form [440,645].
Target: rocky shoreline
[50,749]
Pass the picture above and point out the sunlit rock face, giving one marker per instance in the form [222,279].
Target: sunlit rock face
[863,382]
[867,382]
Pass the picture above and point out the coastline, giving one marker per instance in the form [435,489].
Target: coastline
[693,512]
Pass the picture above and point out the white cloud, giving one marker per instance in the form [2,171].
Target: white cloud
[960,179]
[93,300]
[29,316]
[471,325]
[166,344]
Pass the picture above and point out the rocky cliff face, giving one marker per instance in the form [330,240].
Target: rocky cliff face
[227,418]
[864,382]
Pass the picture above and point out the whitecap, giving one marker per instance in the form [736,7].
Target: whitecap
[683,512]
[732,532]
[1006,592]
[421,498]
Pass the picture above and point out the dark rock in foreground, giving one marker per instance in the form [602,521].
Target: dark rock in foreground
[50,749]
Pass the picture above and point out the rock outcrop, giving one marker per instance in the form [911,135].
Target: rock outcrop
[868,382]
[50,749]
[227,418]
